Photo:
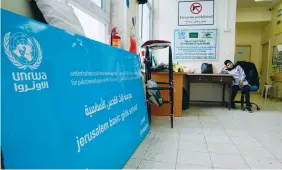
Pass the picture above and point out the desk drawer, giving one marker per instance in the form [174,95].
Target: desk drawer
[219,79]
[200,79]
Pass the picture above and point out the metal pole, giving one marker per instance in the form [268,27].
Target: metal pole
[171,87]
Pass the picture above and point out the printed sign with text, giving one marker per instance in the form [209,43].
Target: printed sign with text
[67,101]
[195,13]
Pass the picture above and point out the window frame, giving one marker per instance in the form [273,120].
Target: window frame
[92,9]
[150,7]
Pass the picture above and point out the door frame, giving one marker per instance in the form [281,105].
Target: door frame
[261,64]
[245,45]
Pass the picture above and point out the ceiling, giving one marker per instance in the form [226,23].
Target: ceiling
[252,3]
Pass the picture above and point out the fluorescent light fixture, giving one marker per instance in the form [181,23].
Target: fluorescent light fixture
[263,0]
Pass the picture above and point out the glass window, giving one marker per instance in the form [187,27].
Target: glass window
[98,2]
[93,28]
[145,16]
[140,20]
[146,23]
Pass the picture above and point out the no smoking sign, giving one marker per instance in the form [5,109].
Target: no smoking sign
[196,8]
[195,12]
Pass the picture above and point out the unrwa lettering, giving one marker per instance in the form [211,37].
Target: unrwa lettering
[39,81]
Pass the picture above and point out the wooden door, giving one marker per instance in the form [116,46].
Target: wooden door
[243,53]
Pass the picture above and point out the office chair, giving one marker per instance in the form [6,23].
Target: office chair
[243,102]
[252,78]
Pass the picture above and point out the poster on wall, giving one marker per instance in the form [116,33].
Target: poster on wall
[193,13]
[68,102]
[276,58]
[195,44]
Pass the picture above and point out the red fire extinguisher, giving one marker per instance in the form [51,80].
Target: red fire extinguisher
[115,38]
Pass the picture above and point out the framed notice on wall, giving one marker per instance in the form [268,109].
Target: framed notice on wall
[191,12]
[276,58]
[195,44]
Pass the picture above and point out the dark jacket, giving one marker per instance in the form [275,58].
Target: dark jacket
[251,72]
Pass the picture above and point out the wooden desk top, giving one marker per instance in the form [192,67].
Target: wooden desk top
[192,74]
[175,73]
[200,74]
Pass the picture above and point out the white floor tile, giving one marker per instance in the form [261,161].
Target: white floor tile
[277,152]
[190,124]
[164,143]
[191,130]
[161,155]
[185,166]
[218,139]
[228,161]
[168,135]
[238,133]
[270,142]
[156,165]
[254,151]
[191,118]
[214,132]
[140,152]
[133,163]
[246,141]
[223,148]
[213,126]
[194,158]
[192,137]
[263,163]
[195,146]
[148,139]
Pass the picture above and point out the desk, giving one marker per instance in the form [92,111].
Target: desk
[224,79]
[178,90]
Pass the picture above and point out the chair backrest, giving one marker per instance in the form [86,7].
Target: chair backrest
[251,72]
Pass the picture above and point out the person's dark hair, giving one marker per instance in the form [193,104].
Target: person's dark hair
[227,61]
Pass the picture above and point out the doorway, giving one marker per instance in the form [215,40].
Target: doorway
[243,53]
[264,66]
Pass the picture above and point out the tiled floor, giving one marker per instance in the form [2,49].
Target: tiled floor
[214,138]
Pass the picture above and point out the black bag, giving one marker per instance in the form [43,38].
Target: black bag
[206,68]
[154,95]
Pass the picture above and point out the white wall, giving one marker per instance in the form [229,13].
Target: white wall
[165,21]
[17,6]
[118,19]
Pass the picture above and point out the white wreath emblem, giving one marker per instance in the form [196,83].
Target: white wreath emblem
[34,66]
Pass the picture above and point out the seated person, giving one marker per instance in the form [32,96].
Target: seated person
[239,82]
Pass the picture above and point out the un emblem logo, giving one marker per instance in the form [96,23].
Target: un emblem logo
[181,35]
[22,50]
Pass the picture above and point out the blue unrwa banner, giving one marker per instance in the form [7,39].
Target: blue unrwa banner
[67,101]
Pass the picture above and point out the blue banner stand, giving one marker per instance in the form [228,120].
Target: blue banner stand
[67,101]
